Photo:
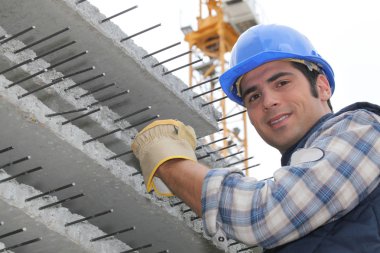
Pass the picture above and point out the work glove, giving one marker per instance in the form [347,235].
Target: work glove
[159,142]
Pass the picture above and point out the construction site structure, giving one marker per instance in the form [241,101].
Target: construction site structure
[75,89]
[218,28]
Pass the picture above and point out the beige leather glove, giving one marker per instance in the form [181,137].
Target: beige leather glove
[159,142]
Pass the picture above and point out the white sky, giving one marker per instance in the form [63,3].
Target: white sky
[345,32]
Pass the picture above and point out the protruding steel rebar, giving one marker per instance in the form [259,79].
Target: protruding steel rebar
[26,78]
[141,122]
[62,201]
[214,101]
[133,113]
[219,130]
[141,32]
[231,115]
[120,129]
[161,50]
[42,40]
[21,244]
[212,152]
[248,248]
[48,68]
[66,112]
[136,173]
[55,50]
[237,153]
[55,81]
[67,59]
[6,149]
[37,57]
[233,243]
[170,59]
[183,66]
[21,174]
[89,217]
[17,34]
[85,81]
[109,98]
[118,155]
[200,84]
[16,66]
[204,93]
[252,166]
[51,191]
[13,232]
[15,162]
[176,204]
[95,90]
[195,218]
[102,135]
[241,161]
[226,147]
[137,248]
[80,116]
[118,14]
[112,234]
[59,79]
[208,144]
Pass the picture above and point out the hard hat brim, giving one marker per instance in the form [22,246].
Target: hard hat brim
[228,79]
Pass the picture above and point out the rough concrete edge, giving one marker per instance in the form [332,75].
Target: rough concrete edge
[111,31]
[2,246]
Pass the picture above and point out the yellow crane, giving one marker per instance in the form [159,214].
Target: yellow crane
[218,28]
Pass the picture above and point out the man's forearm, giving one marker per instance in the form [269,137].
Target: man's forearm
[185,179]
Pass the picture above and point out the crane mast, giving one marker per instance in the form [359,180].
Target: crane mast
[218,28]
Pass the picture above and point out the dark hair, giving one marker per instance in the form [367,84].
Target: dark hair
[311,76]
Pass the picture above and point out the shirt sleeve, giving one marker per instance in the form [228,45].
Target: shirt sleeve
[303,196]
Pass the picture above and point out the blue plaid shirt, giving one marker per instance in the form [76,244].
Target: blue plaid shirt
[337,167]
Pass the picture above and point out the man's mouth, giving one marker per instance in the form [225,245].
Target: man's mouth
[278,119]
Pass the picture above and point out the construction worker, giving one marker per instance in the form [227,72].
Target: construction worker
[325,197]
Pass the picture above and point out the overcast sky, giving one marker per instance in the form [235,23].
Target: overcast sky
[344,32]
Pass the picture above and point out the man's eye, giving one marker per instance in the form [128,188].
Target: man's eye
[253,97]
[282,83]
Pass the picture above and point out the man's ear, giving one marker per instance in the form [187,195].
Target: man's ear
[323,86]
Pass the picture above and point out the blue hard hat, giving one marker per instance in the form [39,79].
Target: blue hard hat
[265,43]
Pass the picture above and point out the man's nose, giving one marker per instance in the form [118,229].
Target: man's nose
[270,100]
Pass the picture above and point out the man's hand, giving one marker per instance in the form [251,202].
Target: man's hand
[159,142]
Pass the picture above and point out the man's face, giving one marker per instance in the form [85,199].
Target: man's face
[280,104]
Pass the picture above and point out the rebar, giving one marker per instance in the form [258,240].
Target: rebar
[51,191]
[118,14]
[141,32]
[42,40]
[161,50]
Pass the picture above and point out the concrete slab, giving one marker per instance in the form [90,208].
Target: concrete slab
[59,148]
[103,190]
[120,61]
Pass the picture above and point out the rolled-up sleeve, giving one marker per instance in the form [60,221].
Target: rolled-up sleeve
[300,197]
